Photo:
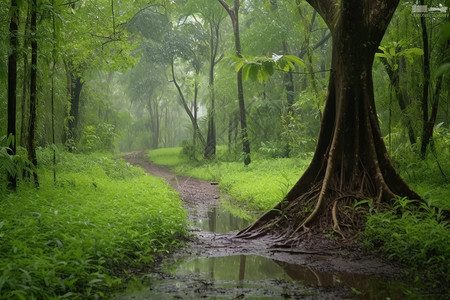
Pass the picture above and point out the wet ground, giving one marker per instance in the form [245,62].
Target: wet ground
[217,265]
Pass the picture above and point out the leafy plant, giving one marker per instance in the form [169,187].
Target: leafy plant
[262,67]
[80,237]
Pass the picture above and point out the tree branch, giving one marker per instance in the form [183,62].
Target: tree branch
[227,8]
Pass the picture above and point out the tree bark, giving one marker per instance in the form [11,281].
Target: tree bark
[12,86]
[234,16]
[401,95]
[210,149]
[23,104]
[351,161]
[426,86]
[76,83]
[33,91]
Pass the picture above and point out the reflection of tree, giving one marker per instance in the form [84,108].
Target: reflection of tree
[212,218]
[242,261]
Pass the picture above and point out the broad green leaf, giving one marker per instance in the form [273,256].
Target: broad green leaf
[245,72]
[444,68]
[296,60]
[239,65]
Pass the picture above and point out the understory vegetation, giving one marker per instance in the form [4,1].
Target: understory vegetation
[414,233]
[84,235]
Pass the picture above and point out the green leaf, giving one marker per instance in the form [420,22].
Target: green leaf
[296,60]
[444,68]
[239,65]
[245,72]
[412,51]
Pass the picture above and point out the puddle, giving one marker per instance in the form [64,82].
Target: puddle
[218,220]
[257,277]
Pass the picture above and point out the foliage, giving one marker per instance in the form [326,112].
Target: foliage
[98,138]
[416,237]
[14,165]
[261,67]
[78,239]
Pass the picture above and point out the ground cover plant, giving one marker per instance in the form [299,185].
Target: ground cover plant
[80,237]
[411,232]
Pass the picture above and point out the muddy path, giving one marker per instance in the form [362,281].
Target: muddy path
[321,268]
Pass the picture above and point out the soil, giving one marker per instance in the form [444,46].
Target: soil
[318,252]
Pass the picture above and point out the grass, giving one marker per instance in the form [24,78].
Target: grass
[79,238]
[167,156]
[259,186]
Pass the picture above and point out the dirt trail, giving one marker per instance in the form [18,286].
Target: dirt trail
[321,254]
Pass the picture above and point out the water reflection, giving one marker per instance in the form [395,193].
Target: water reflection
[242,271]
[219,220]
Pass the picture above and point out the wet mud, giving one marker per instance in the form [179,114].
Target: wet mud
[218,265]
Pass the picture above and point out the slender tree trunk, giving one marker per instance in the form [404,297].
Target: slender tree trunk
[426,85]
[290,99]
[75,93]
[394,78]
[351,161]
[12,87]
[186,108]
[53,94]
[234,16]
[210,149]
[33,91]
[23,104]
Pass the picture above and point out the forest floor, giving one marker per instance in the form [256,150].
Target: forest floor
[322,256]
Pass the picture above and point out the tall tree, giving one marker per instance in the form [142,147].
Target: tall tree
[33,90]
[351,161]
[12,84]
[233,12]
[212,15]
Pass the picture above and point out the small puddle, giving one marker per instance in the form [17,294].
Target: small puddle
[257,277]
[219,220]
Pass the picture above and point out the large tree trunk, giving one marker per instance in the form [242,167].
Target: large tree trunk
[351,161]
[12,86]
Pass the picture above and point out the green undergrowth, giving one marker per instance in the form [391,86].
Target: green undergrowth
[80,238]
[417,233]
[414,234]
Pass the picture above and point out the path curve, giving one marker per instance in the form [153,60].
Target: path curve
[203,196]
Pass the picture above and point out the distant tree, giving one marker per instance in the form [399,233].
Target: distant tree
[212,16]
[351,161]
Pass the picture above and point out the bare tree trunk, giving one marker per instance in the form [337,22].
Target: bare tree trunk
[394,78]
[75,93]
[12,87]
[186,108]
[23,105]
[33,91]
[234,16]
